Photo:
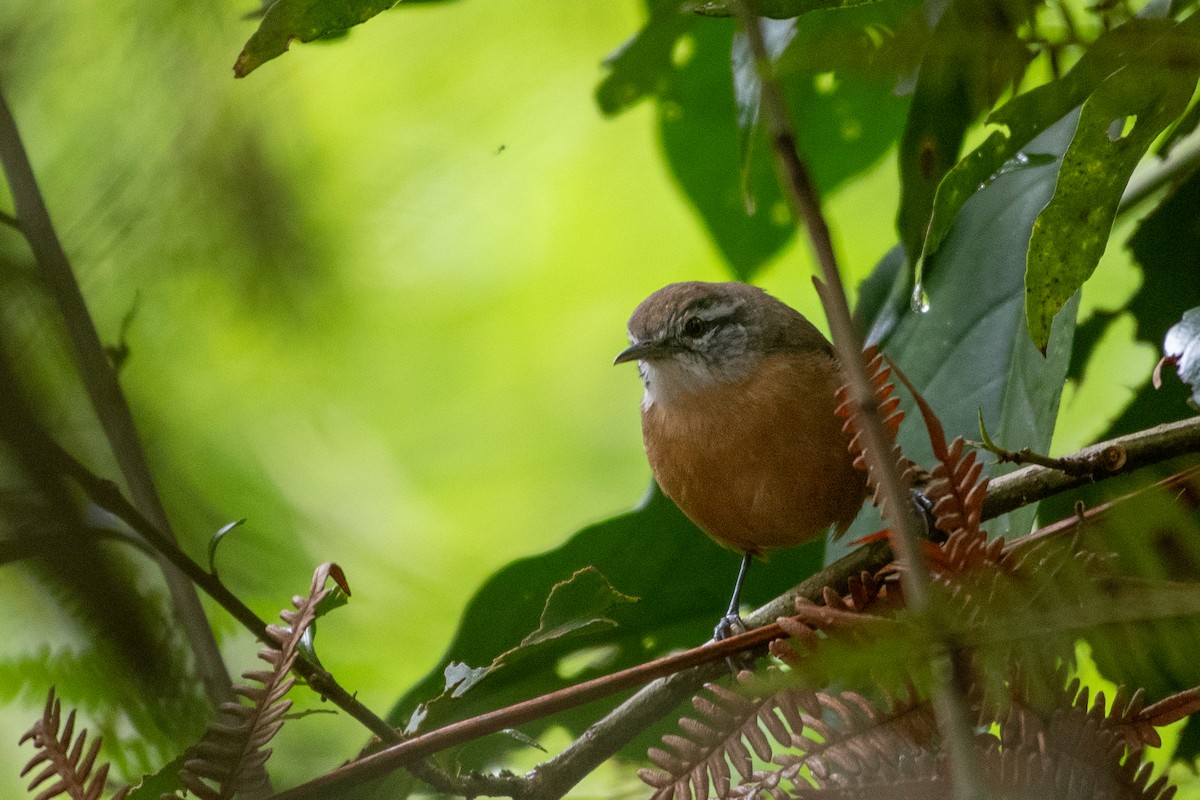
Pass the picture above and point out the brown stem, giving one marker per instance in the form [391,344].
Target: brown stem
[948,700]
[1033,483]
[100,381]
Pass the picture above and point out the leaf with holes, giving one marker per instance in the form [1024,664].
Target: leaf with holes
[1116,127]
[1028,114]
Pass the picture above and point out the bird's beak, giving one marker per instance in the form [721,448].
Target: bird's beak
[640,352]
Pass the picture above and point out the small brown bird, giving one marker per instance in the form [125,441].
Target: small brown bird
[738,419]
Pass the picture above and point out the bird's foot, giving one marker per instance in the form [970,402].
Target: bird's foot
[732,625]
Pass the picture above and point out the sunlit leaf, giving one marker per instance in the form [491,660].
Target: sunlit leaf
[1117,125]
[287,21]
[580,601]
[1025,116]
[773,9]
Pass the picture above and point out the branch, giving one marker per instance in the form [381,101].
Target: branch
[688,671]
[33,221]
[1031,484]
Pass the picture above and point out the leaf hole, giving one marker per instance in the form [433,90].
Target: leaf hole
[825,83]
[683,51]
[573,664]
[1121,127]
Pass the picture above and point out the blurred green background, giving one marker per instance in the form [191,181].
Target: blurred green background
[378,286]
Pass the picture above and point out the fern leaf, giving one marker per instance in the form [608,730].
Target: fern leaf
[65,758]
[229,759]
[878,373]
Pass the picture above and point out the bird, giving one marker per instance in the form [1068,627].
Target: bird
[738,419]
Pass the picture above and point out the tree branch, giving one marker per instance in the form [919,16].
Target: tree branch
[1031,484]
[99,379]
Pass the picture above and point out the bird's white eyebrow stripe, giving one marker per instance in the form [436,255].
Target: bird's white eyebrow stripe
[714,311]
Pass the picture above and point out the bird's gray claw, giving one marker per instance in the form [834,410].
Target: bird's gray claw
[730,625]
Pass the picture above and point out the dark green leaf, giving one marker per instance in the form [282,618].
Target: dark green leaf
[287,21]
[698,114]
[163,782]
[682,580]
[643,65]
[973,56]
[773,9]
[1182,348]
[1026,115]
[1117,125]
[969,353]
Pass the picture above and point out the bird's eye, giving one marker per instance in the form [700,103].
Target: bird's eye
[694,327]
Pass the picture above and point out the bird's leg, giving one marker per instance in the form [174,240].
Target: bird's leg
[925,506]
[731,624]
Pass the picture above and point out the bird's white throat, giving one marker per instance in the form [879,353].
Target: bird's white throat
[671,381]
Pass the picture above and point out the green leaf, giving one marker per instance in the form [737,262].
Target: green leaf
[969,353]
[1028,114]
[644,64]
[1117,125]
[576,604]
[846,120]
[698,114]
[287,21]
[162,782]
[773,9]
[1182,348]
[974,55]
[682,580]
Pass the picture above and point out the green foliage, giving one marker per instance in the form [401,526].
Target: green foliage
[287,21]
[1119,122]
[315,312]
[502,649]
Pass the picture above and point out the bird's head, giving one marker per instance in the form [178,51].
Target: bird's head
[687,337]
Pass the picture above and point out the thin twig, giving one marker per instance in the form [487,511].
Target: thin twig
[10,221]
[105,393]
[948,697]
[107,495]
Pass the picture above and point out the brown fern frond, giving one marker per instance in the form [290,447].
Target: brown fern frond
[229,759]
[65,758]
[731,727]
[878,372]
[957,486]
